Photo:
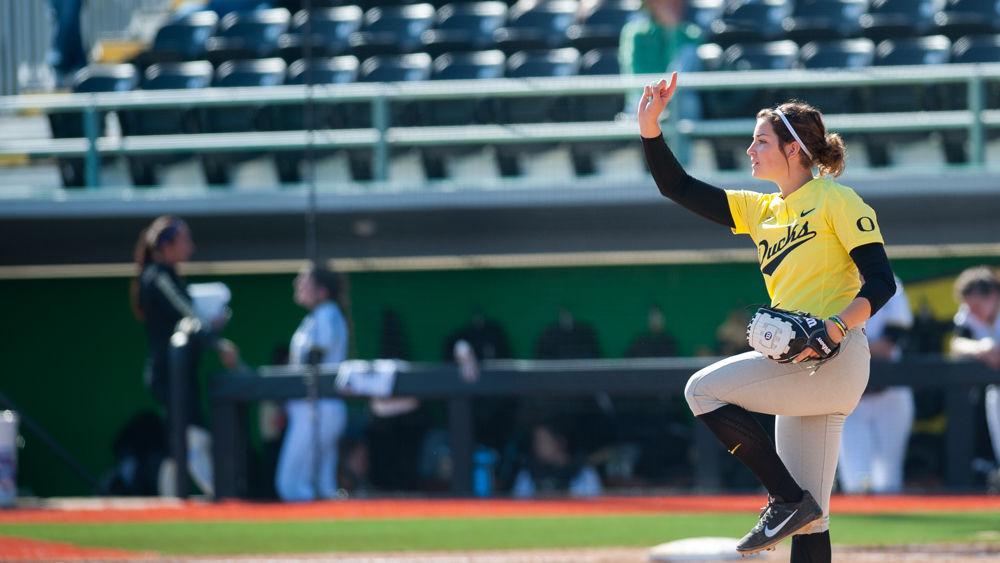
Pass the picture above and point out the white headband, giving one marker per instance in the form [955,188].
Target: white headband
[794,134]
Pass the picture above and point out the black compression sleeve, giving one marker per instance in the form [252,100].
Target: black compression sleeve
[704,199]
[880,285]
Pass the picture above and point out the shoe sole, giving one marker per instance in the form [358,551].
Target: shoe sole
[745,554]
[771,545]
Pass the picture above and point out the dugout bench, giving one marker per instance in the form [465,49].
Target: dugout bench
[232,393]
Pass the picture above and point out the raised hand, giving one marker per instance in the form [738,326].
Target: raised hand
[655,98]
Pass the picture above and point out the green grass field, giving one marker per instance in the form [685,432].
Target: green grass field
[317,536]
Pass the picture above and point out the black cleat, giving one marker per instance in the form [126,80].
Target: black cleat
[778,520]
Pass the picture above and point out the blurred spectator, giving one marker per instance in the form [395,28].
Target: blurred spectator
[67,54]
[487,338]
[160,300]
[731,336]
[656,341]
[321,335]
[656,425]
[977,334]
[928,334]
[392,342]
[353,474]
[484,339]
[661,42]
[399,425]
[271,423]
[873,444]
[553,469]
[567,339]
[140,446]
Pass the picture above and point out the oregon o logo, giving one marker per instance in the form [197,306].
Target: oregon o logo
[866,224]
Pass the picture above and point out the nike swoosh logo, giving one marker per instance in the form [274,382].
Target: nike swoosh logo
[804,213]
[736,447]
[769,532]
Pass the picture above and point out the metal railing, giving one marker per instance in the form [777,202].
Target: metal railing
[974,119]
[555,379]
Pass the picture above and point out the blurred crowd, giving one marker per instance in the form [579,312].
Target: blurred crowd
[524,446]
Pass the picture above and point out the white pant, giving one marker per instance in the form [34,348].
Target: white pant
[199,443]
[810,407]
[294,477]
[993,417]
[873,445]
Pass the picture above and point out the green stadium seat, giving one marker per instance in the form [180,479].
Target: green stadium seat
[750,21]
[164,76]
[818,20]
[536,26]
[234,74]
[337,70]
[329,33]
[972,49]
[182,39]
[959,18]
[932,50]
[247,35]
[459,66]
[466,26]
[836,54]
[741,104]
[93,78]
[895,19]
[604,107]
[392,30]
[387,68]
[602,25]
[704,12]
[527,64]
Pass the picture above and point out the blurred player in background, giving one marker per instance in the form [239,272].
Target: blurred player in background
[552,468]
[814,238]
[323,334]
[977,335]
[873,446]
[160,300]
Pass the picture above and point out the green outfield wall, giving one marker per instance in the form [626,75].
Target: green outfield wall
[73,354]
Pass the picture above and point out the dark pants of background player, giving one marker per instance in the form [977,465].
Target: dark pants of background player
[67,54]
[160,373]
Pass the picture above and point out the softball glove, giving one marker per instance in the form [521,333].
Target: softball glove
[782,335]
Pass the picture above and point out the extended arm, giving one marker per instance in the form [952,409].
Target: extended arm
[675,183]
[671,179]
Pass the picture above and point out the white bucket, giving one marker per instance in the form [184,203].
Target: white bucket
[209,300]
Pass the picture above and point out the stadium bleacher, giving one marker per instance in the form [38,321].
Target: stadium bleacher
[164,76]
[360,42]
[94,78]
[321,32]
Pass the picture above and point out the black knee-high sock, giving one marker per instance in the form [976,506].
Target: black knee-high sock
[744,437]
[812,548]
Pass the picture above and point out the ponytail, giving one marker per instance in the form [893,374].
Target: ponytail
[826,151]
[163,229]
[141,255]
[831,156]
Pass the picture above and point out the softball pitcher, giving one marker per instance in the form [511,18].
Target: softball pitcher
[816,240]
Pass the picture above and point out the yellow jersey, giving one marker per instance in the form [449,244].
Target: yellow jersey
[804,242]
